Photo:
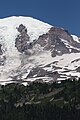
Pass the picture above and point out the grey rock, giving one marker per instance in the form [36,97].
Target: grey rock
[2,57]
[22,29]
[53,40]
[1,50]
[21,42]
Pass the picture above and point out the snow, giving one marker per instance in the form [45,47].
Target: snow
[60,79]
[8,33]
[48,68]
[45,79]
[75,38]
[35,27]
[25,74]
[25,83]
[72,73]
[63,61]
[5,82]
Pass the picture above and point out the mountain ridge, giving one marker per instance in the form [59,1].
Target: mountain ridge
[32,50]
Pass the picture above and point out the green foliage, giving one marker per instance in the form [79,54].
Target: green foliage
[41,101]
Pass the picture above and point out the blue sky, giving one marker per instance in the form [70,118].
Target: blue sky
[61,13]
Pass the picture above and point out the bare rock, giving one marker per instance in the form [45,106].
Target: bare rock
[21,42]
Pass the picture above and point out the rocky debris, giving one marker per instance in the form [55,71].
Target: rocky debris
[37,72]
[22,40]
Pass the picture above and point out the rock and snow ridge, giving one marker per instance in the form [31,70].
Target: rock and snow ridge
[31,50]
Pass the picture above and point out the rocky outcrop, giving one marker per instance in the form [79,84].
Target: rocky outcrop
[39,72]
[22,40]
[2,56]
[60,33]
[1,50]
[56,39]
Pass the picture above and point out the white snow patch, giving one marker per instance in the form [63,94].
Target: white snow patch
[25,83]
[75,38]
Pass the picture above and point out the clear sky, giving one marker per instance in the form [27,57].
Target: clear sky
[61,13]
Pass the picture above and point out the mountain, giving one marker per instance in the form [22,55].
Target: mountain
[31,50]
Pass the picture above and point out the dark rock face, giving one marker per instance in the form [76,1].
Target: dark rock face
[1,50]
[53,41]
[22,29]
[22,39]
[42,40]
[2,57]
[60,33]
[2,60]
[54,35]
[39,72]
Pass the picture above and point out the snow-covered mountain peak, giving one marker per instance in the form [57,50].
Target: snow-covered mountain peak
[35,27]
[33,50]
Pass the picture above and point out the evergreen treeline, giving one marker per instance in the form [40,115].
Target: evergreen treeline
[41,101]
[37,112]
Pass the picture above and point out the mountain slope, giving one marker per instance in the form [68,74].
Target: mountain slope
[31,50]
